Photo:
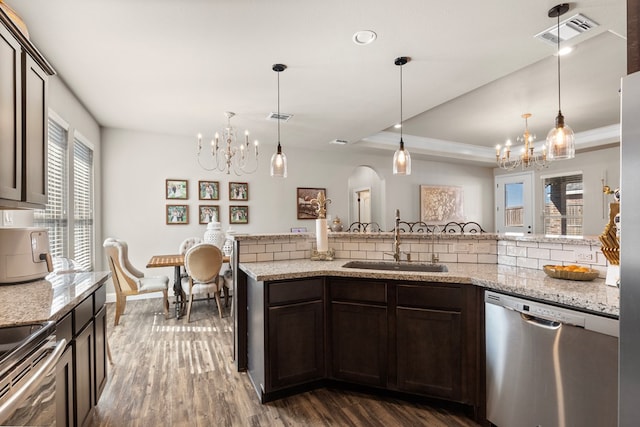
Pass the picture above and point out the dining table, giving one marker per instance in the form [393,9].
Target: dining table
[176,261]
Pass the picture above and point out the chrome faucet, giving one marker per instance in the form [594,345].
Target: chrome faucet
[434,256]
[396,240]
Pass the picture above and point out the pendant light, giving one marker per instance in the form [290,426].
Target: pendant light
[279,160]
[401,158]
[560,140]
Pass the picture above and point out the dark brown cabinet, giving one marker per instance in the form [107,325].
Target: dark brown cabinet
[358,331]
[82,370]
[23,119]
[291,314]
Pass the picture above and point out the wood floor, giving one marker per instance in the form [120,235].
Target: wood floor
[170,373]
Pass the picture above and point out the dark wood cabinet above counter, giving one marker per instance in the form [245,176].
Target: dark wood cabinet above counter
[24,74]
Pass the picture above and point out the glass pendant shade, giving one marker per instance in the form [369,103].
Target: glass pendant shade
[401,161]
[561,141]
[279,164]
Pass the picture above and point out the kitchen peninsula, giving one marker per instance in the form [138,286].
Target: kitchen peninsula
[311,323]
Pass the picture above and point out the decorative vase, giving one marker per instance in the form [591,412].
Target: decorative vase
[214,234]
[336,225]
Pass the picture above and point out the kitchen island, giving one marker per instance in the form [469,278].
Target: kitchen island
[313,323]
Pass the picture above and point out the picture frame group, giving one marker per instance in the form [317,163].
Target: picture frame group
[177,214]
[208,213]
[176,189]
[208,190]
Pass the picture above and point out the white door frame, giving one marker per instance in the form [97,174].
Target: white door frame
[527,179]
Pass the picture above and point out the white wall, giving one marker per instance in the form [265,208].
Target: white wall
[597,167]
[136,164]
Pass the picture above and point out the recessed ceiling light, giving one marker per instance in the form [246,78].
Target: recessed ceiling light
[364,37]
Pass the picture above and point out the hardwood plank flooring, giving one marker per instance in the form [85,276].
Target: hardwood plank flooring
[170,373]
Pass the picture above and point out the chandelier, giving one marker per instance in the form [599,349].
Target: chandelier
[528,157]
[230,154]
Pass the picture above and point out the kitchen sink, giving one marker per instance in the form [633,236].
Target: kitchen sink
[398,266]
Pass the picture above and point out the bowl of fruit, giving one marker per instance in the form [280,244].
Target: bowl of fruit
[570,272]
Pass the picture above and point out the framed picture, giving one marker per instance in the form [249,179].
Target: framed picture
[238,214]
[208,190]
[440,204]
[238,191]
[208,213]
[177,189]
[177,214]
[307,210]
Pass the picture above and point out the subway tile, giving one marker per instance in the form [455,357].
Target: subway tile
[273,247]
[545,245]
[507,260]
[516,251]
[527,262]
[527,244]
[261,257]
[469,258]
[487,259]
[281,256]
[289,247]
[445,257]
[248,257]
[367,246]
[538,253]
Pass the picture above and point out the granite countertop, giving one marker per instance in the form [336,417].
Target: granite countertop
[47,299]
[594,296]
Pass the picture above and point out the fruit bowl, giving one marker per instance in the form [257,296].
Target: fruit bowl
[570,272]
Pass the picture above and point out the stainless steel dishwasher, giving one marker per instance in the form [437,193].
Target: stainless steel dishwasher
[549,366]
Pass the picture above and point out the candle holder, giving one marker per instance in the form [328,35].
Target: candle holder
[323,256]
[322,251]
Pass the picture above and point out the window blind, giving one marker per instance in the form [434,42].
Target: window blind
[83,204]
[54,216]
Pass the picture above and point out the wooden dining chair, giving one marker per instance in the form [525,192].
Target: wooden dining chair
[202,263]
[128,280]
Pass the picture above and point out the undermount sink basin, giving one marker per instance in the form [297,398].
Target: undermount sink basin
[397,266]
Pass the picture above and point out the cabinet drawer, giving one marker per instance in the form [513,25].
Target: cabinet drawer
[64,328]
[83,314]
[430,296]
[100,298]
[294,291]
[360,291]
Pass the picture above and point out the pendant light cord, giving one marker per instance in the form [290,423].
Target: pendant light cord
[278,73]
[558,54]
[401,130]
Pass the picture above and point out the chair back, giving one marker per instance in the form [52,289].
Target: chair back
[188,243]
[203,262]
[124,281]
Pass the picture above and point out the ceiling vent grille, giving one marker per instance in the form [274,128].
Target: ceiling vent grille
[569,28]
[283,117]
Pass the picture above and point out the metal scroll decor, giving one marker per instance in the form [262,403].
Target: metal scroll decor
[420,227]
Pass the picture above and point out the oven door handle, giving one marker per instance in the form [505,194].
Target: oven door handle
[36,378]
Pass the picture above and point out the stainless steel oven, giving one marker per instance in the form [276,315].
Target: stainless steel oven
[28,358]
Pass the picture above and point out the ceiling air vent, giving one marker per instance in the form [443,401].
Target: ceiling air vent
[569,28]
[283,117]
[339,141]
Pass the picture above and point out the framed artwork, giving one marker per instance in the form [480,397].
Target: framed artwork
[238,191]
[177,189]
[208,190]
[208,213]
[440,204]
[177,214]
[305,209]
[238,214]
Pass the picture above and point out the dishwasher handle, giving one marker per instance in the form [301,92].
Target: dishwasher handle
[540,322]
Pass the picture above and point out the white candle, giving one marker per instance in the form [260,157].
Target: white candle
[322,244]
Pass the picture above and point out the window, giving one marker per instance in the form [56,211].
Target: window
[70,222]
[563,204]
[54,216]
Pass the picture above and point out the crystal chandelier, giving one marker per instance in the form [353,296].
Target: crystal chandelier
[528,157]
[230,154]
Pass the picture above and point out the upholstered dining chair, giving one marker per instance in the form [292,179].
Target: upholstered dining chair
[203,263]
[128,280]
[187,244]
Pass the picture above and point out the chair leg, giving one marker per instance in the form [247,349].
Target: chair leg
[120,303]
[189,308]
[226,294]
[165,303]
[217,295]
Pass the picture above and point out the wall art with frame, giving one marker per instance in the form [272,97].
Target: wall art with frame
[238,191]
[176,189]
[304,207]
[177,214]
[238,214]
[208,190]
[440,204]
[208,213]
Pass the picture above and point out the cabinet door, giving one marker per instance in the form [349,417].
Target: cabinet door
[359,343]
[10,117]
[296,344]
[84,373]
[429,351]
[65,389]
[100,333]
[35,132]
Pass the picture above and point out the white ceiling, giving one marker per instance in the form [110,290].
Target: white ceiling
[174,67]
